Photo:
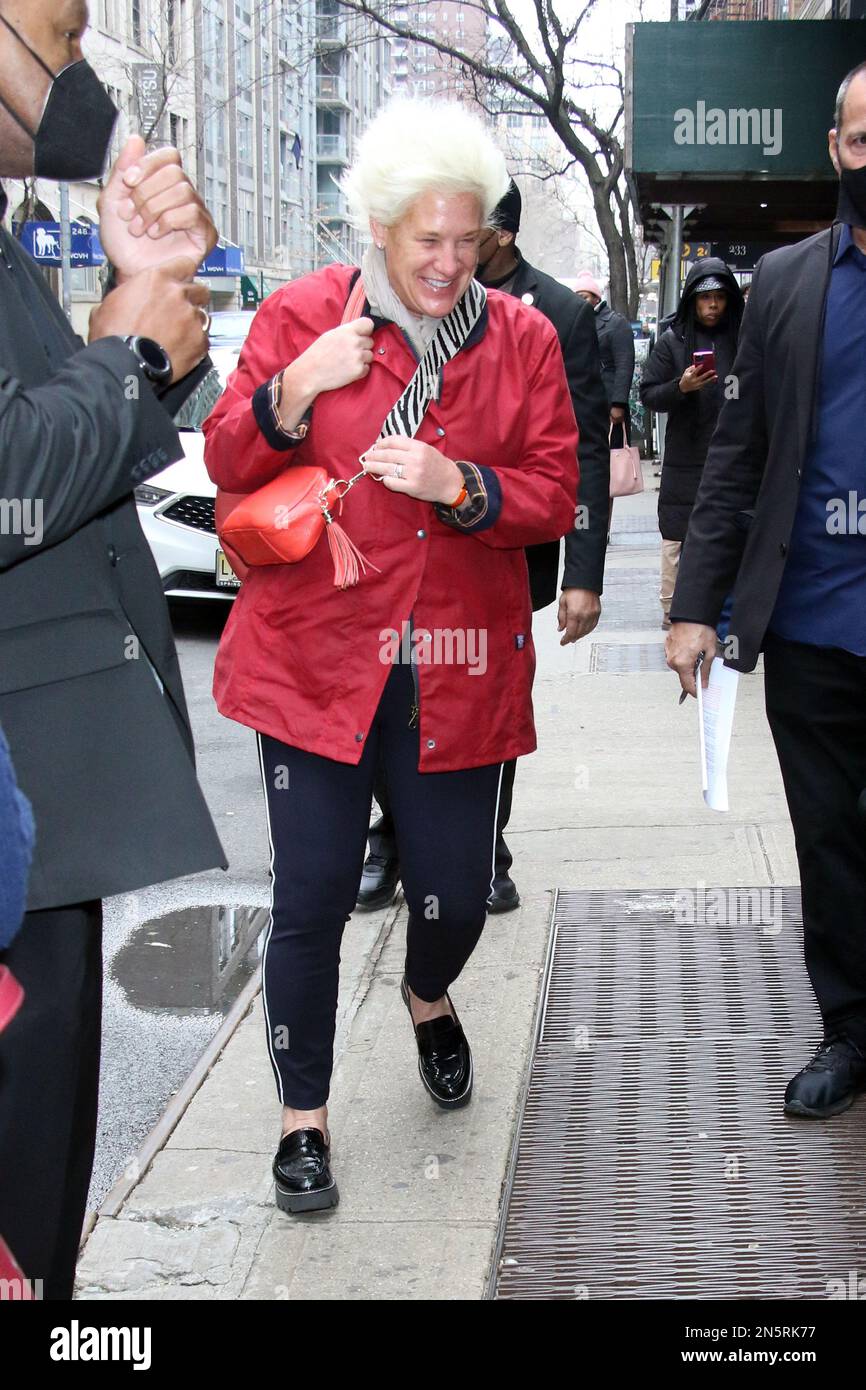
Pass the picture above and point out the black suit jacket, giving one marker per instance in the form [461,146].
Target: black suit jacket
[585,547]
[104,755]
[742,520]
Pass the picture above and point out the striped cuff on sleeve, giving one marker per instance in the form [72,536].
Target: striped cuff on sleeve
[482,505]
[266,409]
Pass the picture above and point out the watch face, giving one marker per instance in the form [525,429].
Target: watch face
[154,357]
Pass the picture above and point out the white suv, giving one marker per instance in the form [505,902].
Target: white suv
[176,506]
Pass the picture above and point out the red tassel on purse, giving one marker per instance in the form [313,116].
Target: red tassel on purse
[281,522]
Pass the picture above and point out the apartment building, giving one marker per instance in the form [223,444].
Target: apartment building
[420,70]
[786,9]
[353,80]
[265,100]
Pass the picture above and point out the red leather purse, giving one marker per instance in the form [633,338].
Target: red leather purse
[279,523]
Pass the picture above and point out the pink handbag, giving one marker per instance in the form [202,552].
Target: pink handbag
[626,474]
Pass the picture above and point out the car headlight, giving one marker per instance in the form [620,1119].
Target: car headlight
[148,496]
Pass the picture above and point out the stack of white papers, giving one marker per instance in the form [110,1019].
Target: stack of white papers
[715,722]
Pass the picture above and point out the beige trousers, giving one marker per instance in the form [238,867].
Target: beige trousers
[670,564]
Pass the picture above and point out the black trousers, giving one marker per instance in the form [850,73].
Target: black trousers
[318,815]
[816,706]
[383,839]
[49,1091]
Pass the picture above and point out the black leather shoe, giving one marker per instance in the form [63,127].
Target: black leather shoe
[830,1082]
[444,1057]
[302,1172]
[379,883]
[505,897]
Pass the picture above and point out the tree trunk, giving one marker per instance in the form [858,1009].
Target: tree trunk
[612,238]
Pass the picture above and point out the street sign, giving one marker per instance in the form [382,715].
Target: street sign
[42,240]
[149,95]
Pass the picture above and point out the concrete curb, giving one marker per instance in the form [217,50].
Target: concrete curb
[177,1106]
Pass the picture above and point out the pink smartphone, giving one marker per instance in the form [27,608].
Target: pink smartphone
[704,361]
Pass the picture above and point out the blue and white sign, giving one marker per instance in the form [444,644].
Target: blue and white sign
[42,240]
[224,260]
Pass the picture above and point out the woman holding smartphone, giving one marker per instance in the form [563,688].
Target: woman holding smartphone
[685,379]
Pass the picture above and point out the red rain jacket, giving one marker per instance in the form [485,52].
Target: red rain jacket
[307,662]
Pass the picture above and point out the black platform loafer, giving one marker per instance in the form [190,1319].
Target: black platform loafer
[444,1057]
[302,1172]
[379,883]
[830,1082]
[505,897]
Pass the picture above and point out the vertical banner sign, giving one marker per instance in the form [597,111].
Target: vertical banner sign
[150,101]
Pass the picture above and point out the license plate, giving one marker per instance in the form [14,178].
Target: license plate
[225,575]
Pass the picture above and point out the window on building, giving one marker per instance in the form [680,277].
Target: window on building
[245,143]
[171,17]
[108,17]
[245,62]
[137,24]
[222,206]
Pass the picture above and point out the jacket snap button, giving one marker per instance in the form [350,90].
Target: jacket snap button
[112,555]
[783,549]
[440,432]
[422,535]
[381,352]
[431,743]
[359,738]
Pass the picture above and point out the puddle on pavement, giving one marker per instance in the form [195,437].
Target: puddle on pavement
[194,961]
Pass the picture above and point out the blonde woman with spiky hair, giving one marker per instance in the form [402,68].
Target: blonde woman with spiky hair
[449,407]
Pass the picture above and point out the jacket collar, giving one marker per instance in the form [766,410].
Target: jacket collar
[847,246]
[525,277]
[475,336]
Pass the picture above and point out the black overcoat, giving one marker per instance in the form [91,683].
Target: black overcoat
[104,755]
[692,416]
[585,546]
[744,513]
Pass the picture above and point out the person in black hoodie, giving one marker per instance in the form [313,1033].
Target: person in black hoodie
[708,319]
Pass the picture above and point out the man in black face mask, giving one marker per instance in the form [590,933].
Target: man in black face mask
[91,700]
[780,517]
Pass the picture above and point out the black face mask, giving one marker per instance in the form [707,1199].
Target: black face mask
[851,207]
[74,134]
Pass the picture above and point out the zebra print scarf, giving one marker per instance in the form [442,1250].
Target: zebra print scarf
[448,337]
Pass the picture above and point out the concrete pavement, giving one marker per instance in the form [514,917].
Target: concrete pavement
[611,799]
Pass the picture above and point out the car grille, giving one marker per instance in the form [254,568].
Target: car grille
[197,512]
[196,581]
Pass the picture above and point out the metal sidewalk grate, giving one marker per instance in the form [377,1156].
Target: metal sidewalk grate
[653,1159]
[644,522]
[624,658]
[630,600]
[635,533]
[636,540]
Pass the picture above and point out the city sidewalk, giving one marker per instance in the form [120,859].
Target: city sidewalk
[611,799]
